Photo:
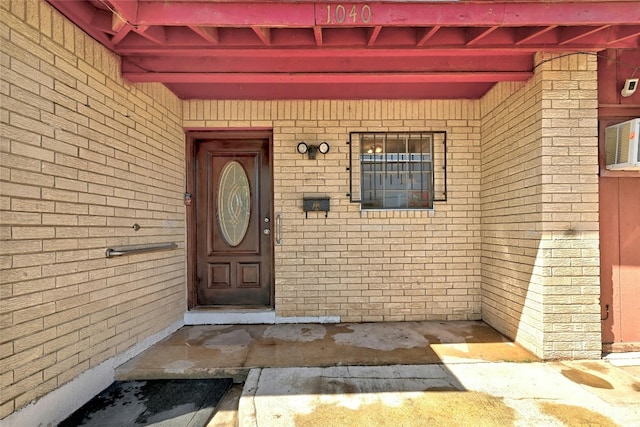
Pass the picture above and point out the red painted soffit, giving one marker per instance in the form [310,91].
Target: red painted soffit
[350,50]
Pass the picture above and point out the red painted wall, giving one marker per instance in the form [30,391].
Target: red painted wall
[619,211]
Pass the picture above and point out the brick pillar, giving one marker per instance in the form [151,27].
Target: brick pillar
[568,256]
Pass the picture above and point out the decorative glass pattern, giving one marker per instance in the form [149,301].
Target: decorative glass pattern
[234,203]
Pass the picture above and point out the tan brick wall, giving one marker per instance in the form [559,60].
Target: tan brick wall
[366,266]
[84,156]
[540,257]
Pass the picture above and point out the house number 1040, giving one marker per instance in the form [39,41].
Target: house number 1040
[350,14]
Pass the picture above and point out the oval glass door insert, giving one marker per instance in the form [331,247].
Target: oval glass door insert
[234,203]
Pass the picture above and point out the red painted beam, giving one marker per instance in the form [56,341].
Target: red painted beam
[373,35]
[210,34]
[127,10]
[477,34]
[375,13]
[102,20]
[82,14]
[487,13]
[385,90]
[573,34]
[527,34]
[156,35]
[622,34]
[426,35]
[263,34]
[122,33]
[294,64]
[347,52]
[317,33]
[241,14]
[327,78]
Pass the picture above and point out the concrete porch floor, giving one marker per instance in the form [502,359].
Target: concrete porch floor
[390,374]
[230,351]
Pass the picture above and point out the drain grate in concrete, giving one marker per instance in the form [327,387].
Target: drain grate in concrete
[161,403]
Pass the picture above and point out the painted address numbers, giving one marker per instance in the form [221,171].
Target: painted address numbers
[348,13]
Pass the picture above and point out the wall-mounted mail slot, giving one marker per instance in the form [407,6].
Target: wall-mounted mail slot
[316,204]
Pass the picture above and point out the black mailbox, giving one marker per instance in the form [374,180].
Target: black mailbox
[316,204]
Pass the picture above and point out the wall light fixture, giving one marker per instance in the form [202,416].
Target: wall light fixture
[313,150]
[630,86]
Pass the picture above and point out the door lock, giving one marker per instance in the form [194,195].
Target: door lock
[266,231]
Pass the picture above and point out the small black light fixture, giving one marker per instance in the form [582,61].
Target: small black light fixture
[313,150]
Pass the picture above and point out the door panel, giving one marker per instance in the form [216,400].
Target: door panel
[629,259]
[233,222]
[620,259]
[609,259]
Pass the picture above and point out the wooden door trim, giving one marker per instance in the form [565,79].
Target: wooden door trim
[191,210]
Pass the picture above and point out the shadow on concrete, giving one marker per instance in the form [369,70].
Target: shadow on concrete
[167,403]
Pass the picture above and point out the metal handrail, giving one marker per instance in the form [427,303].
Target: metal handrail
[138,249]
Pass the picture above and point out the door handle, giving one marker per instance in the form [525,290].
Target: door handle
[278,229]
[266,231]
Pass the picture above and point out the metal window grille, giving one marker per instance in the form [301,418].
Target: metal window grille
[397,170]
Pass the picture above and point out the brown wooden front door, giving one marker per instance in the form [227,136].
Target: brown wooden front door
[233,222]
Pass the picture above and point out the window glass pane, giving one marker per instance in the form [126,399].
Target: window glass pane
[396,170]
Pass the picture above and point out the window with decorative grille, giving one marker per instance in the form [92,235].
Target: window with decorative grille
[398,170]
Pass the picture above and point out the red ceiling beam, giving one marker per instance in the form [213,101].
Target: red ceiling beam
[121,34]
[156,35]
[331,91]
[487,13]
[477,34]
[338,78]
[527,34]
[573,34]
[373,35]
[373,13]
[103,20]
[427,34]
[210,34]
[264,34]
[241,14]
[622,34]
[296,64]
[127,10]
[82,14]
[348,52]
[317,34]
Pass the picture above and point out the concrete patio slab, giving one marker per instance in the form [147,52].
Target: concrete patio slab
[390,374]
[232,350]
[472,394]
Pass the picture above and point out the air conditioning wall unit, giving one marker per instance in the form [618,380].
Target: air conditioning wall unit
[621,146]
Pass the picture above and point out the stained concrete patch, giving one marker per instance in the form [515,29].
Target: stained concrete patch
[161,403]
[296,332]
[423,409]
[179,366]
[196,333]
[572,415]
[586,378]
[394,337]
[617,385]
[230,342]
